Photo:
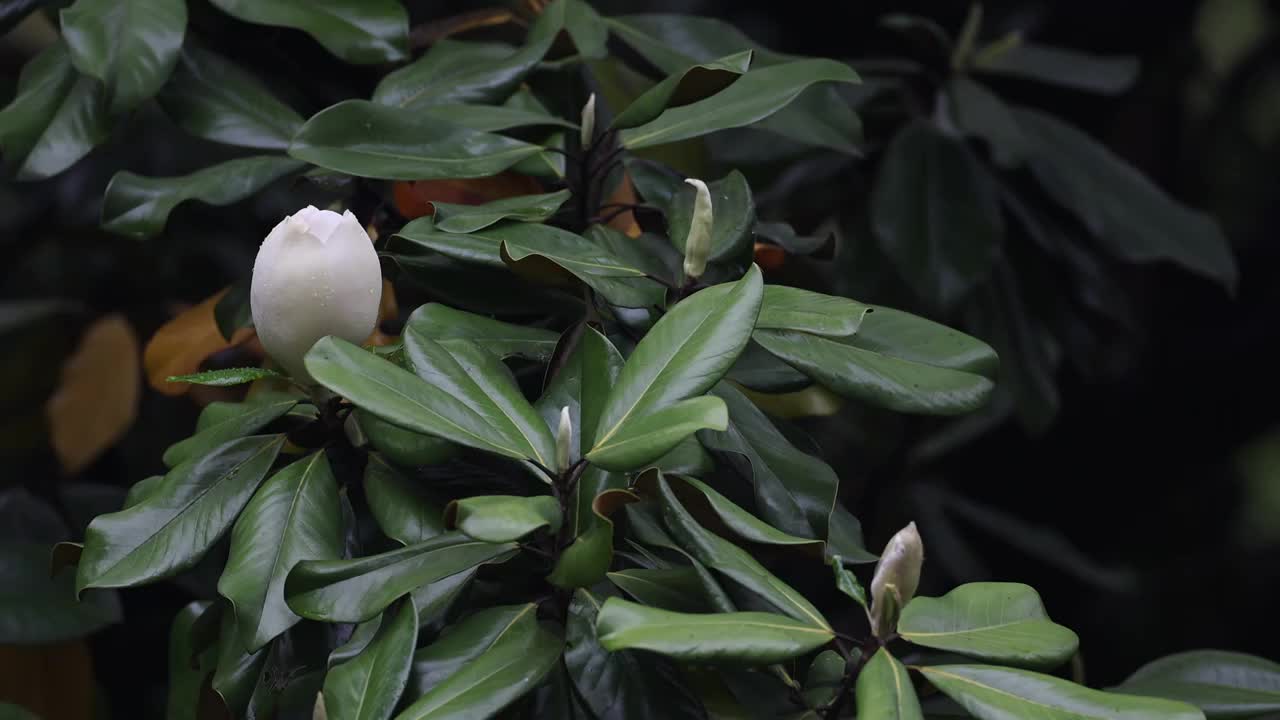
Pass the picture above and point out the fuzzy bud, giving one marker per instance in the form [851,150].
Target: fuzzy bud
[564,440]
[697,245]
[588,121]
[896,579]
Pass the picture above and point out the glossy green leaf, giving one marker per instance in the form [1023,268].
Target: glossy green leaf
[847,583]
[359,639]
[581,384]
[819,116]
[995,693]
[403,509]
[525,208]
[502,518]
[479,380]
[513,664]
[226,378]
[647,438]
[936,213]
[441,322]
[129,45]
[744,524]
[403,447]
[753,97]
[1129,215]
[454,71]
[437,599]
[187,669]
[38,607]
[682,356]
[362,138]
[356,590]
[215,99]
[358,31]
[527,248]
[445,399]
[475,247]
[789,308]
[732,561]
[463,641]
[794,491]
[1065,68]
[824,678]
[142,489]
[586,561]
[651,254]
[236,674]
[1222,684]
[691,84]
[997,622]
[175,526]
[678,588]
[243,419]
[733,215]
[368,686]
[294,516]
[896,360]
[744,637]
[492,118]
[884,690]
[645,525]
[586,29]
[623,683]
[138,206]
[55,119]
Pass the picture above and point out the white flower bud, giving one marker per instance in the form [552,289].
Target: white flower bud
[896,579]
[697,245]
[316,274]
[588,121]
[564,440]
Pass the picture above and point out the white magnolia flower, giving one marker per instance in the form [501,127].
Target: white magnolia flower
[316,274]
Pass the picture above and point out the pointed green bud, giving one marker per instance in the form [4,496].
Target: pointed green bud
[897,576]
[697,246]
[564,440]
[588,121]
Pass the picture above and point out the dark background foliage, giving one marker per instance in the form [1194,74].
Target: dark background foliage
[1144,512]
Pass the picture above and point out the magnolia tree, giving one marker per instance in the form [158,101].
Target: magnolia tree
[558,491]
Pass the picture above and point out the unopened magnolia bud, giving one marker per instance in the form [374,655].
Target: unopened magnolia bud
[697,245]
[316,274]
[588,121]
[897,576]
[564,440]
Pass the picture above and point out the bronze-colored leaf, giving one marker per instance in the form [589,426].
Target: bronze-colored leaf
[97,400]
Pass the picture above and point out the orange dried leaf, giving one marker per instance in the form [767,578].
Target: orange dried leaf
[97,400]
[181,345]
[414,197]
[433,32]
[624,194]
[770,257]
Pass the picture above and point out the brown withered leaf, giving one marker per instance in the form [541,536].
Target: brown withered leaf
[414,198]
[624,194]
[181,345]
[97,399]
